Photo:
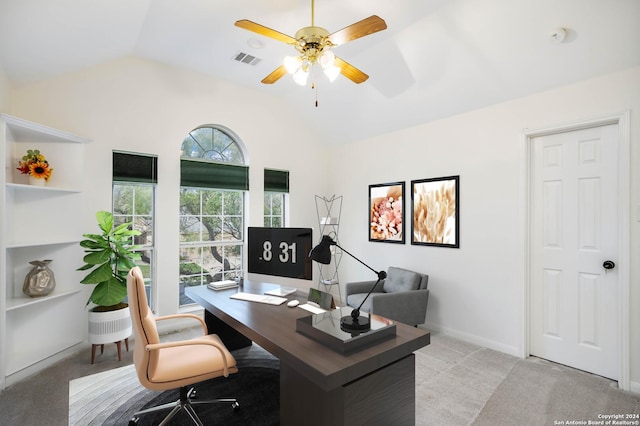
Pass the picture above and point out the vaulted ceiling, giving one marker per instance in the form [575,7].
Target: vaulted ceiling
[437,57]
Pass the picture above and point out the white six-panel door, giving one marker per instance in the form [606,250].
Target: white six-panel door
[573,298]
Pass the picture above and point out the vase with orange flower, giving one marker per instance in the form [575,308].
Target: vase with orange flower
[35,165]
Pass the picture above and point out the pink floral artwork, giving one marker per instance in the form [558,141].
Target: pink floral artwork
[386,220]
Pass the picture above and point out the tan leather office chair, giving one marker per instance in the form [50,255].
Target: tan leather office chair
[172,365]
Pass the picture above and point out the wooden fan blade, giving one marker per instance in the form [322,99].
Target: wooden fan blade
[367,26]
[265,31]
[275,75]
[351,72]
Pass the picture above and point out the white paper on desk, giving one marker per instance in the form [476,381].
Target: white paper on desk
[312,309]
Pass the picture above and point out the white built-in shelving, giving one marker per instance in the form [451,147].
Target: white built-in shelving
[38,223]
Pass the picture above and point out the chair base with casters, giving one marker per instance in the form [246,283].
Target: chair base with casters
[186,402]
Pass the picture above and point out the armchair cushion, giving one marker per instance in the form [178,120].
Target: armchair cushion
[403,296]
[399,280]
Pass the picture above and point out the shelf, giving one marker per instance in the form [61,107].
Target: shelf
[27,131]
[25,187]
[43,243]
[25,301]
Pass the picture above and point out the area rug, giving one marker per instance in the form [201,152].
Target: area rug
[112,397]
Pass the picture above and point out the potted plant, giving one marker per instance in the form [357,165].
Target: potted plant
[109,255]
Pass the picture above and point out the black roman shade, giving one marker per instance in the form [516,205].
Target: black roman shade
[276,180]
[132,167]
[206,174]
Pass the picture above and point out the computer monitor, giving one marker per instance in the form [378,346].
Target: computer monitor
[282,252]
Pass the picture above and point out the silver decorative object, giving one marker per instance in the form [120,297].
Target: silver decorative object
[40,280]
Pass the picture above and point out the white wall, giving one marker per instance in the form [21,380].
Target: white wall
[136,105]
[4,91]
[476,291]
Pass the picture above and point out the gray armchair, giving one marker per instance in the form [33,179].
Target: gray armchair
[402,296]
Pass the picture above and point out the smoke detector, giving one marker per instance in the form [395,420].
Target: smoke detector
[557,35]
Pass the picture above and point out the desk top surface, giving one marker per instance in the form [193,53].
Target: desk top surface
[274,328]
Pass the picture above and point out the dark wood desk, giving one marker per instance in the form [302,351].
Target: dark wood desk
[319,386]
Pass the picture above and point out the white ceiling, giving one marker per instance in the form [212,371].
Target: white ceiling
[437,57]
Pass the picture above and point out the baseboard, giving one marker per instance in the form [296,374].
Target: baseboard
[41,365]
[634,387]
[470,338]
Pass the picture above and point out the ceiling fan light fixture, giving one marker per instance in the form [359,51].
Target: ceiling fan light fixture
[327,59]
[301,76]
[292,63]
[332,73]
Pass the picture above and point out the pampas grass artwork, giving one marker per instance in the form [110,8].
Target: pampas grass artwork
[435,211]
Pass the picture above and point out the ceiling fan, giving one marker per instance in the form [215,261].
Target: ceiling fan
[314,45]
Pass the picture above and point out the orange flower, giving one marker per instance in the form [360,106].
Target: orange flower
[40,170]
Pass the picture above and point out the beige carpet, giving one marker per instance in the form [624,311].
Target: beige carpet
[458,383]
[539,392]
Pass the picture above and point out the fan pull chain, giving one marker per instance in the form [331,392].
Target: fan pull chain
[314,87]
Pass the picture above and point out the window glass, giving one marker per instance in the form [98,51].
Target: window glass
[274,210]
[212,143]
[134,202]
[211,218]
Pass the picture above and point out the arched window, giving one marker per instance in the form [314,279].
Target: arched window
[214,143]
[213,179]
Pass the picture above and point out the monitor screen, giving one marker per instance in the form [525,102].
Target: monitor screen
[282,252]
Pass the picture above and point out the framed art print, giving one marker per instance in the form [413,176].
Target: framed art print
[435,209]
[386,212]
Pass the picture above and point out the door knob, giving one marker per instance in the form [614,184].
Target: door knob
[608,264]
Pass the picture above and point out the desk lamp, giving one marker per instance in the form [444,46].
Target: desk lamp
[322,254]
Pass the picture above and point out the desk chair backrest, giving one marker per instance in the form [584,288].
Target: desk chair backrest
[144,326]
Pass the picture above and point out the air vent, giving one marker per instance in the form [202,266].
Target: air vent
[246,58]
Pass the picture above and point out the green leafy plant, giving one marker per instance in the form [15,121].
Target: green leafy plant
[110,256]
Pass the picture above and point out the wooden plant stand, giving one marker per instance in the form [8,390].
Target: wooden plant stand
[118,344]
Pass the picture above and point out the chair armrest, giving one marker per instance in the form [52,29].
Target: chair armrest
[409,307]
[157,346]
[362,287]
[192,316]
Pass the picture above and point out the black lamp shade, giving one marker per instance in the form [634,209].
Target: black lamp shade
[322,252]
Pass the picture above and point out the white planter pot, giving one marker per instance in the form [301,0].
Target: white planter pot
[109,327]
